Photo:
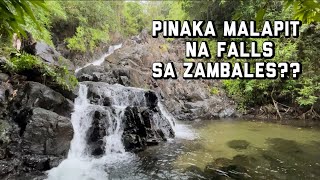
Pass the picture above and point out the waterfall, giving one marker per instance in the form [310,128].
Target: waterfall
[99,61]
[111,103]
[81,122]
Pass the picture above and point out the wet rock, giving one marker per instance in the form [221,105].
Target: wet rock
[135,131]
[284,146]
[236,171]
[41,163]
[46,133]
[238,144]
[5,92]
[232,171]
[97,132]
[195,172]
[244,160]
[88,71]
[141,128]
[34,94]
[220,162]
[4,138]
[151,98]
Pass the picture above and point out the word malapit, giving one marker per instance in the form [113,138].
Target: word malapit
[193,29]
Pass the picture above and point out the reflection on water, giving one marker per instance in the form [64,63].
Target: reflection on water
[231,150]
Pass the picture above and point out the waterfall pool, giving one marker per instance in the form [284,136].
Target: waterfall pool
[230,149]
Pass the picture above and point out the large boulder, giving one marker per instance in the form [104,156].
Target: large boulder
[35,130]
[46,133]
[144,127]
[33,94]
[48,54]
[37,146]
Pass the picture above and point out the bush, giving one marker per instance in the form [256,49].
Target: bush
[60,75]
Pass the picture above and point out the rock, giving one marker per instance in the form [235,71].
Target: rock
[6,168]
[244,160]
[3,62]
[4,77]
[185,99]
[135,130]
[4,138]
[228,112]
[238,144]
[97,132]
[151,99]
[6,90]
[141,129]
[46,133]
[124,80]
[48,54]
[37,146]
[41,163]
[34,94]
[195,172]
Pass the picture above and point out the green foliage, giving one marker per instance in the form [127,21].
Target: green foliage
[307,11]
[26,62]
[303,92]
[91,21]
[134,18]
[44,19]
[87,39]
[13,14]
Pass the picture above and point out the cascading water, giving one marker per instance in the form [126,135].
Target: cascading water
[102,58]
[81,163]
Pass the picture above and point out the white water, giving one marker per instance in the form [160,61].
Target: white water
[80,165]
[181,131]
[99,61]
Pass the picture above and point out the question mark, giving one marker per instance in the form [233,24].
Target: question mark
[284,69]
[296,69]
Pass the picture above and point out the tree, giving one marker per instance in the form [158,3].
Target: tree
[13,14]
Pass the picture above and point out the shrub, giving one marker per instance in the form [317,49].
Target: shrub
[58,74]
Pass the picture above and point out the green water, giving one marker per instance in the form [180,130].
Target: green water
[230,149]
[252,150]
